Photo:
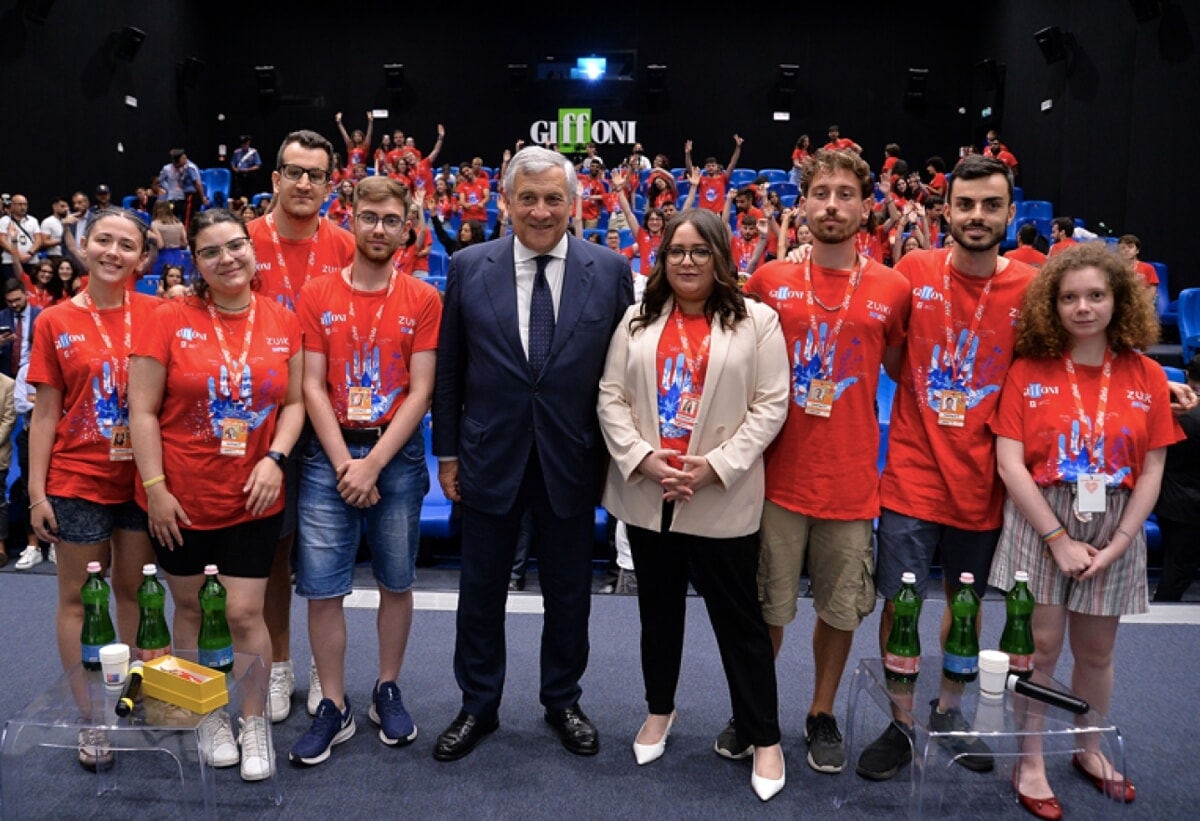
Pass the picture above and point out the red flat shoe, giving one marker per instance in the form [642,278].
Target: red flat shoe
[1118,790]
[1047,809]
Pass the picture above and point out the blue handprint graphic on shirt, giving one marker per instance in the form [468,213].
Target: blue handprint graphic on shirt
[676,381]
[815,361]
[942,373]
[110,409]
[364,372]
[222,405]
[1074,458]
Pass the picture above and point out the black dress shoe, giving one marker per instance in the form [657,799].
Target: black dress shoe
[464,732]
[516,585]
[578,734]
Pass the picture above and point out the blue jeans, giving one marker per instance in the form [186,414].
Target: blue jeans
[329,530]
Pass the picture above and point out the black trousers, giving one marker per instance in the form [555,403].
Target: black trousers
[724,572]
[1181,555]
[564,551]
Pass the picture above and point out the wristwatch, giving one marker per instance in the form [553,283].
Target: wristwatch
[278,458]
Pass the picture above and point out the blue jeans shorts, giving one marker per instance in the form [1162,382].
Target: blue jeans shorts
[329,530]
[907,543]
[83,522]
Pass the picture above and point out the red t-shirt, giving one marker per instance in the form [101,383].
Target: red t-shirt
[356,156]
[207,483]
[938,184]
[840,144]
[422,178]
[1060,246]
[421,263]
[1038,409]
[679,388]
[711,196]
[339,214]
[743,252]
[42,299]
[871,244]
[647,249]
[1146,272]
[589,188]
[69,354]
[1027,254]
[329,250]
[940,473]
[888,162]
[475,199]
[447,205]
[826,467]
[409,324]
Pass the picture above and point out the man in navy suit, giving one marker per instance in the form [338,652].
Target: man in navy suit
[16,327]
[525,330]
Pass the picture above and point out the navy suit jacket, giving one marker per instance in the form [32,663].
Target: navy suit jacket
[8,319]
[489,409]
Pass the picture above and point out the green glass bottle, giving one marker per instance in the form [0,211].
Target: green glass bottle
[960,656]
[153,637]
[902,660]
[1017,638]
[215,643]
[97,623]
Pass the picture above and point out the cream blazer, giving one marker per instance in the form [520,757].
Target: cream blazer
[742,409]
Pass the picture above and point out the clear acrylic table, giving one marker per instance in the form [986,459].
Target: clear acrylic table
[39,746]
[1003,724]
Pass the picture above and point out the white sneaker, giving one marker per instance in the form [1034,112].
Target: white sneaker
[216,740]
[314,689]
[51,555]
[283,684]
[30,556]
[258,753]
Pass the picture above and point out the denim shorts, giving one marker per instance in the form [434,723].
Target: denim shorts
[84,522]
[329,530]
[907,543]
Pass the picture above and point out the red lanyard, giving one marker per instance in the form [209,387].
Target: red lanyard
[972,329]
[119,363]
[282,264]
[1096,440]
[809,299]
[694,363]
[374,320]
[234,369]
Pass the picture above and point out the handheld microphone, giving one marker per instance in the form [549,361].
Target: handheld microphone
[133,686]
[1016,684]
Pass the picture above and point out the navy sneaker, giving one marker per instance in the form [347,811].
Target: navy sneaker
[387,710]
[330,726]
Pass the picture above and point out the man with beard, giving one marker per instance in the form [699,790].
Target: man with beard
[369,355]
[940,488]
[822,481]
[293,244]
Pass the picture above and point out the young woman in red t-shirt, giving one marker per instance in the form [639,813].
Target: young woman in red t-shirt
[81,470]
[1081,434]
[37,287]
[342,207]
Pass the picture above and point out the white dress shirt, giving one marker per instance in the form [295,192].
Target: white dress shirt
[526,265]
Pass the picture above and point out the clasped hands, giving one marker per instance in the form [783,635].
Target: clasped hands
[678,484]
[1080,560]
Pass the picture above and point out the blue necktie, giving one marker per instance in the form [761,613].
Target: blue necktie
[541,317]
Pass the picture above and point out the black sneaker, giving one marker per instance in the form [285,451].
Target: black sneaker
[728,746]
[968,751]
[884,757]
[826,753]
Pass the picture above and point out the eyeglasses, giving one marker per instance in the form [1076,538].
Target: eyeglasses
[293,172]
[369,220]
[699,255]
[235,247]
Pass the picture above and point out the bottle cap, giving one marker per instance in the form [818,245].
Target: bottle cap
[1020,576]
[149,569]
[908,577]
[967,578]
[210,570]
[94,567]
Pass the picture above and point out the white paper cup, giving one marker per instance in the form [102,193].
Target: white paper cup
[114,662]
[993,672]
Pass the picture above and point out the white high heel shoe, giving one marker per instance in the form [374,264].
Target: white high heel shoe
[645,753]
[767,788]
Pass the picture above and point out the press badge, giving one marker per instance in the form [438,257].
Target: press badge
[820,398]
[358,408]
[952,408]
[688,412]
[1089,493]
[234,433]
[120,447]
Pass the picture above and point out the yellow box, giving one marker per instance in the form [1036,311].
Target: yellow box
[198,696]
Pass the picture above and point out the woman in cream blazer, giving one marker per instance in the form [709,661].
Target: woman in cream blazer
[694,389]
